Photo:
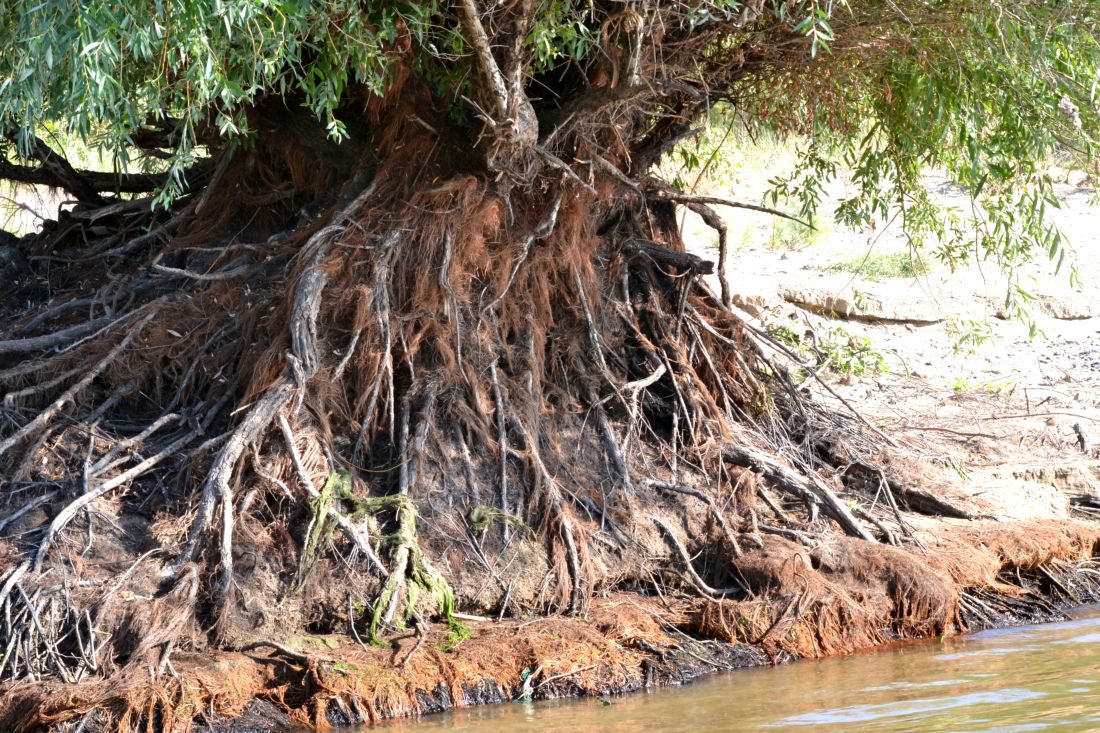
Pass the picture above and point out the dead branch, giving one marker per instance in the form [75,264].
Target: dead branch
[87,182]
[30,506]
[807,486]
[50,340]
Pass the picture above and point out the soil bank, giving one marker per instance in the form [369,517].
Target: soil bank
[841,596]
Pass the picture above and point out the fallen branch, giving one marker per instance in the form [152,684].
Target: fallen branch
[807,486]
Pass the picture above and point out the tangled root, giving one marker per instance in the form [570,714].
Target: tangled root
[363,393]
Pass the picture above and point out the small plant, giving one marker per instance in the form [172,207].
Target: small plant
[457,632]
[786,335]
[847,355]
[787,234]
[967,336]
[961,385]
[480,517]
[874,266]
[859,300]
[838,352]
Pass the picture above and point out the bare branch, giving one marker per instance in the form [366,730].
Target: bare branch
[684,198]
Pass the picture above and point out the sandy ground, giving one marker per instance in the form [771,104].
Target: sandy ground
[1004,419]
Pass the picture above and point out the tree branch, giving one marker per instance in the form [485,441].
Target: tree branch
[56,172]
[688,199]
[487,65]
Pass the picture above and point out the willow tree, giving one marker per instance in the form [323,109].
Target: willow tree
[375,290]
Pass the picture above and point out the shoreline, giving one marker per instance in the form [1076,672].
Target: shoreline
[999,574]
[687,662]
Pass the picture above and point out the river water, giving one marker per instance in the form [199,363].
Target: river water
[1028,678]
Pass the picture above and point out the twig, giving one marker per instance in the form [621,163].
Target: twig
[239,271]
[764,338]
[949,431]
[684,198]
[104,463]
[288,653]
[566,169]
[351,624]
[11,398]
[711,218]
[1040,414]
[563,675]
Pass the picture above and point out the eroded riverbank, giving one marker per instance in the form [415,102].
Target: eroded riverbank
[1022,678]
[842,595]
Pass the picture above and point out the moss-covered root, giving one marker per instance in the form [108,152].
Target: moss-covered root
[410,571]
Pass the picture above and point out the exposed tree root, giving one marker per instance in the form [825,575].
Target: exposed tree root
[506,392]
[843,596]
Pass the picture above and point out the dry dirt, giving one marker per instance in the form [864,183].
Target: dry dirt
[1003,418]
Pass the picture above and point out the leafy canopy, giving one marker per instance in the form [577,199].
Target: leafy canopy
[101,70]
[989,92]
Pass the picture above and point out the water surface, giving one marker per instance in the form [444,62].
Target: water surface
[1031,678]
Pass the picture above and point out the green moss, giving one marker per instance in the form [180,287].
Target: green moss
[411,567]
[480,517]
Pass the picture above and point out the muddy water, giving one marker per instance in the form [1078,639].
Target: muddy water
[1023,679]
